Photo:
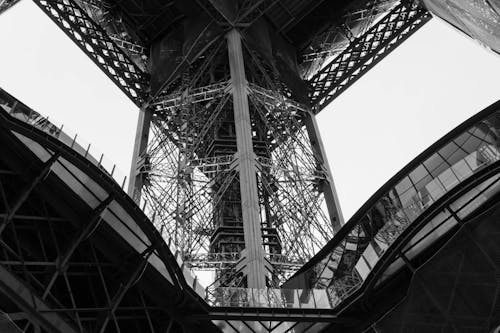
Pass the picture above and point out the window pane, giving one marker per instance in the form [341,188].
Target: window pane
[435,164]
[448,179]
[403,185]
[471,144]
[417,174]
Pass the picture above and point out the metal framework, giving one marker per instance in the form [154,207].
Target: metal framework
[6,4]
[191,168]
[62,267]
[99,46]
[357,40]
[228,160]
[365,52]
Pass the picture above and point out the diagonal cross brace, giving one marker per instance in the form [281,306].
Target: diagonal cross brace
[365,52]
[133,278]
[222,12]
[63,259]
[27,191]
[96,43]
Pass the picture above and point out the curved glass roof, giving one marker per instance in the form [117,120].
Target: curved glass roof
[345,263]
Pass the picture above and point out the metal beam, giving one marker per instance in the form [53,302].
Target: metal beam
[365,52]
[96,43]
[139,155]
[37,310]
[27,191]
[246,163]
[63,259]
[115,302]
[7,4]
[327,186]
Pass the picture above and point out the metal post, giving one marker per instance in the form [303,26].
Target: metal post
[328,188]
[140,145]
[247,169]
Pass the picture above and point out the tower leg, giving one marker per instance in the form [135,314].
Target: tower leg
[255,262]
[136,179]
[328,187]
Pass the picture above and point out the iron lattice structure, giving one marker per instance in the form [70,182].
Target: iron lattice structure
[365,51]
[228,161]
[192,184]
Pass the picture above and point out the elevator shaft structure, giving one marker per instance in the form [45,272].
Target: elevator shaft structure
[234,171]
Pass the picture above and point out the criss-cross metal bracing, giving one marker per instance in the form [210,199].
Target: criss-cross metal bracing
[76,257]
[357,37]
[364,52]
[106,51]
[228,161]
[191,182]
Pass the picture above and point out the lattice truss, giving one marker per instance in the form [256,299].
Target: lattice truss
[356,21]
[363,52]
[109,49]
[190,173]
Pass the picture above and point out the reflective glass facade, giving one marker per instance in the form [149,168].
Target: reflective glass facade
[353,253]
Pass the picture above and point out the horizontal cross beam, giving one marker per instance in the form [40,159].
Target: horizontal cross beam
[365,52]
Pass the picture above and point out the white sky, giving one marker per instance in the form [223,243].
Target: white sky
[426,87]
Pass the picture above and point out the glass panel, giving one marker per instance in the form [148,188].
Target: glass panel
[306,299]
[321,298]
[370,256]
[473,161]
[403,185]
[435,189]
[471,144]
[424,181]
[417,174]
[408,198]
[454,156]
[449,150]
[462,138]
[435,164]
[448,179]
[462,170]
[362,268]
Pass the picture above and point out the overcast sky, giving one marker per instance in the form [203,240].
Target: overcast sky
[430,84]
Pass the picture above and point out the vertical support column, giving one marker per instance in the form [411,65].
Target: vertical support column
[136,180]
[328,187]
[256,269]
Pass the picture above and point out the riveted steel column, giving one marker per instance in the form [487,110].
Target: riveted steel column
[247,170]
[328,187]
[136,179]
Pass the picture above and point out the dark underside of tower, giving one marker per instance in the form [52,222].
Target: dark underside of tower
[230,176]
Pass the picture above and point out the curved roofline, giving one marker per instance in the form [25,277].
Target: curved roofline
[388,258]
[109,184]
[346,228]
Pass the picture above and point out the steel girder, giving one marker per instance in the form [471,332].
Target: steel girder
[100,47]
[6,4]
[365,52]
